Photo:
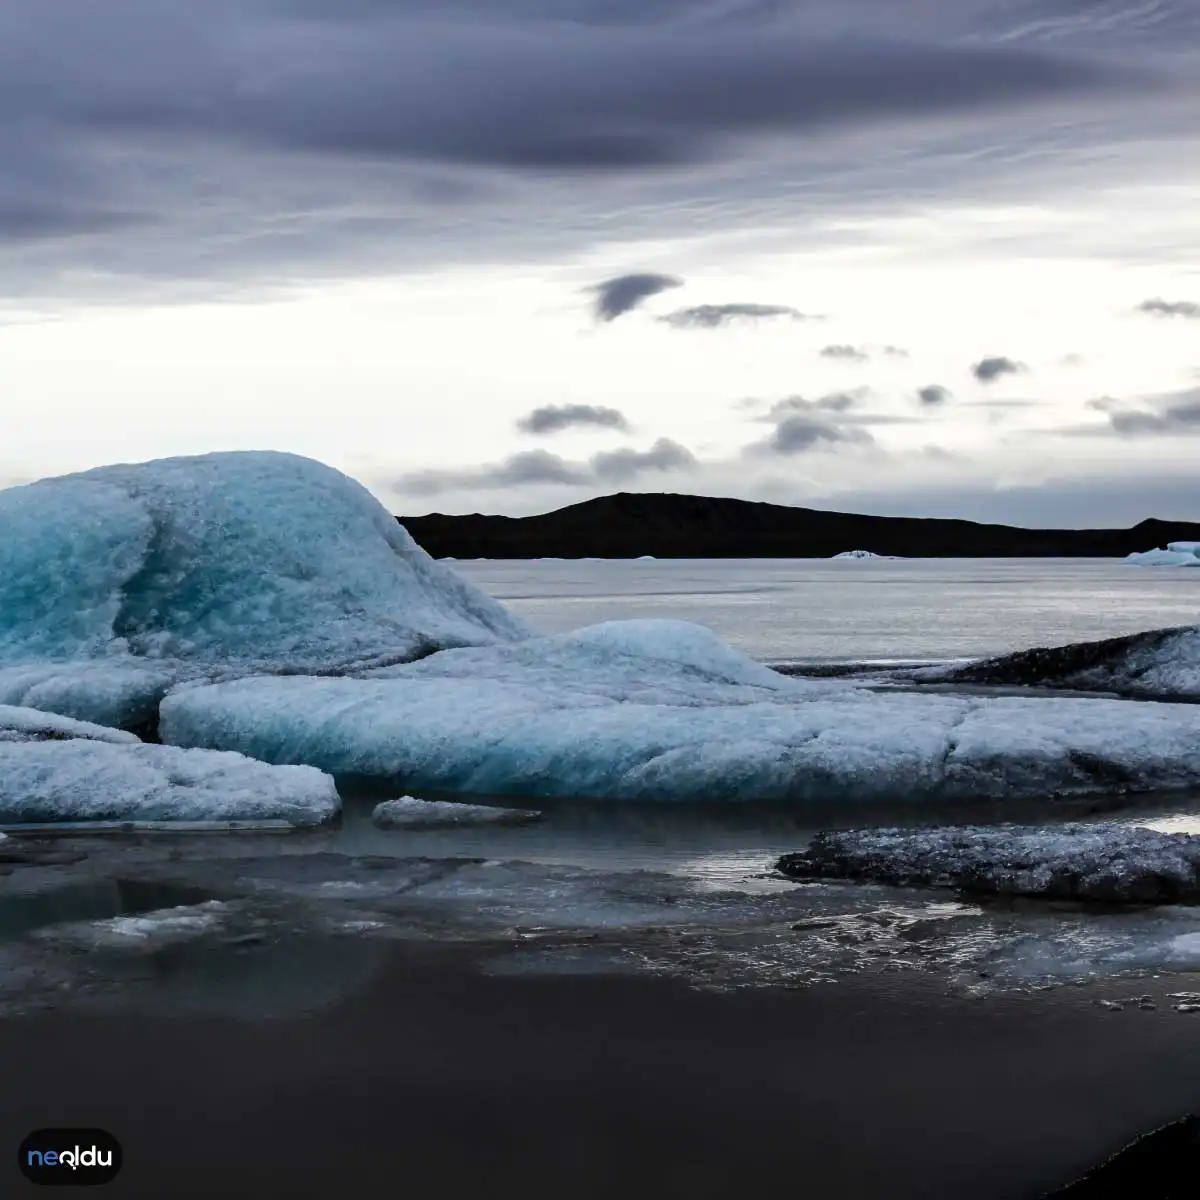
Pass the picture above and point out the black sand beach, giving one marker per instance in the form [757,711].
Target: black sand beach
[437,1081]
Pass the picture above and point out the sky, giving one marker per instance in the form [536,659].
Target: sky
[895,256]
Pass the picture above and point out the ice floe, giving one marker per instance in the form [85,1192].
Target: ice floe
[101,778]
[851,555]
[595,714]
[407,812]
[1177,554]
[230,562]
[19,724]
[1163,663]
[1096,862]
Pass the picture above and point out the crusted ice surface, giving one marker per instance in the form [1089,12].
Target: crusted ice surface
[579,716]
[80,779]
[1162,663]
[1100,862]
[18,724]
[228,562]
[407,812]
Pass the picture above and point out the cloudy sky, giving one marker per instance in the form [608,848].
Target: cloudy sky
[502,255]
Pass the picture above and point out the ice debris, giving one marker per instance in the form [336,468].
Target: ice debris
[1177,554]
[1108,863]
[407,812]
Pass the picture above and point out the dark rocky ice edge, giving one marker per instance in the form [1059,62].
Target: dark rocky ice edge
[1103,863]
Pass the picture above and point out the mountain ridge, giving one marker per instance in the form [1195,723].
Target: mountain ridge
[674,525]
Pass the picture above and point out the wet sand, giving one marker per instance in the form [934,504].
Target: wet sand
[436,1081]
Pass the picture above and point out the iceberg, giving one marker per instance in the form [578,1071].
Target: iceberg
[71,772]
[1177,554]
[1113,864]
[861,554]
[119,581]
[1160,664]
[664,711]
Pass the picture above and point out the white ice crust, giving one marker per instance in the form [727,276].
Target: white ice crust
[407,812]
[665,711]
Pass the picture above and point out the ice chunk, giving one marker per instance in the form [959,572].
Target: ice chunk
[408,812]
[577,716]
[1162,663]
[108,779]
[1177,554]
[860,554]
[30,725]
[259,560]
[1101,862]
[102,692]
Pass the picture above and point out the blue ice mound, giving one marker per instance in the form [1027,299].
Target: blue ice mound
[56,769]
[239,561]
[611,713]
[1177,554]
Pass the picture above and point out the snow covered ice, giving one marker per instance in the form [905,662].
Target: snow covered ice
[55,769]
[1099,862]
[117,581]
[662,710]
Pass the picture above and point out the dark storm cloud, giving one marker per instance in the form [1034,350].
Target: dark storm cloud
[989,369]
[553,418]
[713,316]
[259,133]
[620,295]
[534,467]
[845,353]
[1170,308]
[933,394]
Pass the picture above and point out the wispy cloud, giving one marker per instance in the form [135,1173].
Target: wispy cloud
[845,353]
[714,316]
[1170,308]
[554,418]
[531,467]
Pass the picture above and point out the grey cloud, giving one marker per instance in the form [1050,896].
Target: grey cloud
[1170,308]
[933,394]
[620,295]
[533,467]
[259,136]
[553,418]
[846,353]
[1171,413]
[797,434]
[992,368]
[617,466]
[895,352]
[713,316]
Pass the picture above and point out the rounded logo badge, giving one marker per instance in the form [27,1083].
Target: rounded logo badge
[75,1157]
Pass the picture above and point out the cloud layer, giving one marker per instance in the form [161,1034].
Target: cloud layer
[554,418]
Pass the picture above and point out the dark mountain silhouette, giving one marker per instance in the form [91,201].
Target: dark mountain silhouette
[630,524]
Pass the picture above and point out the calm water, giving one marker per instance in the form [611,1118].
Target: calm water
[817,610]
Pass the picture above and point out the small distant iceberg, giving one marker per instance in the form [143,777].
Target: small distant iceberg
[1177,554]
[862,554]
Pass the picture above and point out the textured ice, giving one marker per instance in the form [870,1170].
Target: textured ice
[407,812]
[1100,862]
[861,554]
[594,714]
[30,725]
[1164,663]
[235,561]
[81,779]
[102,692]
[1177,554]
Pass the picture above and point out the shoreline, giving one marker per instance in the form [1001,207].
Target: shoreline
[432,1079]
